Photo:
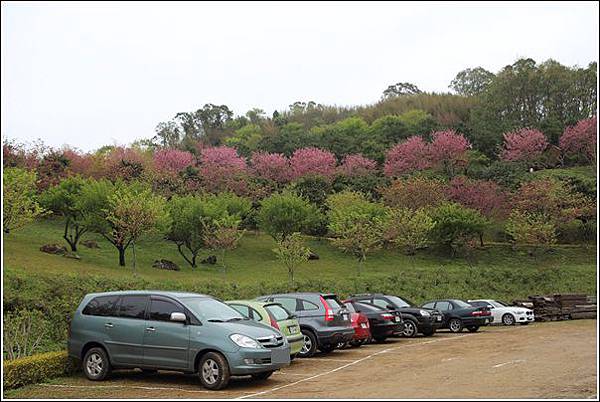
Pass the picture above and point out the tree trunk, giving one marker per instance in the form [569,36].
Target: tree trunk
[481,239]
[133,250]
[192,262]
[121,255]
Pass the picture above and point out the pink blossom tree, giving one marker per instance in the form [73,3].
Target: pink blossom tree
[222,169]
[271,166]
[407,156]
[81,164]
[125,163]
[525,145]
[356,166]
[312,161]
[579,141]
[172,160]
[485,196]
[448,150]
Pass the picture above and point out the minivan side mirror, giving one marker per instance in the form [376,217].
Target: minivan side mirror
[178,317]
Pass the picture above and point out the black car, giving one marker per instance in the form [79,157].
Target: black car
[459,314]
[324,321]
[383,322]
[416,319]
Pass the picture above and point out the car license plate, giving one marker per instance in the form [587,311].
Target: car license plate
[439,318]
[363,325]
[279,356]
[345,317]
[397,319]
[293,329]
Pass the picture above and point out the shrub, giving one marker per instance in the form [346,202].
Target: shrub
[356,223]
[315,189]
[486,197]
[36,368]
[172,160]
[531,229]
[19,205]
[292,252]
[285,213]
[414,193]
[455,225]
[222,169]
[408,229]
[24,333]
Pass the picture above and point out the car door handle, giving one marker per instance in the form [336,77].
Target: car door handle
[108,325]
[150,329]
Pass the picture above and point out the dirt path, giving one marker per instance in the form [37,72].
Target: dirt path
[549,360]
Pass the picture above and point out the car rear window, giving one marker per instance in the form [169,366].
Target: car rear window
[103,306]
[278,312]
[350,307]
[333,302]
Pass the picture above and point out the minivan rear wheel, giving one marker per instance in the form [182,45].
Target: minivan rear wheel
[213,371]
[96,365]
[310,344]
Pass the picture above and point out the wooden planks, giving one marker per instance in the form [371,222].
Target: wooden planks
[567,306]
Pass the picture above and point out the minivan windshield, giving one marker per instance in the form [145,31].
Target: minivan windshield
[212,310]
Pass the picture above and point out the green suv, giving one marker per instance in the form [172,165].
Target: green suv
[274,315]
[185,332]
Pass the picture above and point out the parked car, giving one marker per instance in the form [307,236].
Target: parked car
[185,332]
[324,322]
[415,319]
[275,315]
[383,322]
[360,323]
[459,314]
[505,314]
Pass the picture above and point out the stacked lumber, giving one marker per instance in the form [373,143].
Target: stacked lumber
[560,306]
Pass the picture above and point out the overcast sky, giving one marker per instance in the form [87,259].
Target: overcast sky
[96,74]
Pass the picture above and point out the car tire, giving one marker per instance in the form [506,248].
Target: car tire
[429,332]
[262,376]
[328,348]
[310,344]
[410,329]
[213,371]
[455,325]
[508,319]
[473,328]
[96,365]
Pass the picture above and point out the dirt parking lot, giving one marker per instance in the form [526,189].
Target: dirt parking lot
[542,360]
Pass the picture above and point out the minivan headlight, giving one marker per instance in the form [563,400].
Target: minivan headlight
[424,313]
[244,341]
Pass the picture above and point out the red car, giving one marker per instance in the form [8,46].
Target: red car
[360,323]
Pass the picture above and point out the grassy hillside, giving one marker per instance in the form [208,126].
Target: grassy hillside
[254,262]
[48,287]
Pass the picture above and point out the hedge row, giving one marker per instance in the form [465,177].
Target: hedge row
[37,368]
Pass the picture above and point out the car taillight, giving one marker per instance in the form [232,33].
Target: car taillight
[328,311]
[480,313]
[387,316]
[274,323]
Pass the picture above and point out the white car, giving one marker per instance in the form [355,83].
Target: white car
[505,314]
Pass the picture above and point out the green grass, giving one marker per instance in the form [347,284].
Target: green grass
[254,262]
[54,286]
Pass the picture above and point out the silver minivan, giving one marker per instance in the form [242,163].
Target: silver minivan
[176,331]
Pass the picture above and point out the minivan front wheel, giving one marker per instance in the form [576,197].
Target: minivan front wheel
[310,344]
[213,371]
[96,365]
